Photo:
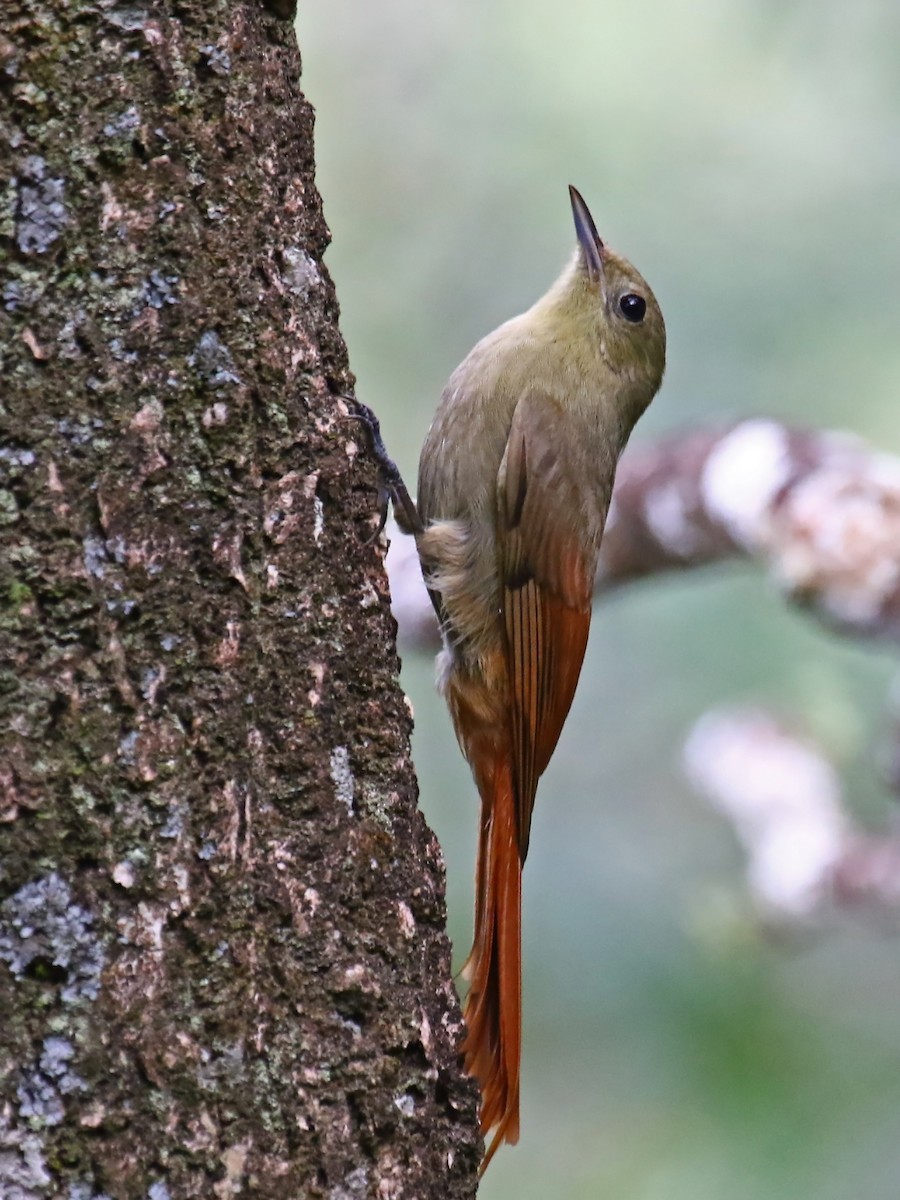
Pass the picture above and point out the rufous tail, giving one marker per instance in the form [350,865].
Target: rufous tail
[493,1008]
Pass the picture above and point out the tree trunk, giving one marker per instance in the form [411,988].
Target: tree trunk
[223,966]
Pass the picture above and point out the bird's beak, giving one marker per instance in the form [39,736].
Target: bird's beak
[588,237]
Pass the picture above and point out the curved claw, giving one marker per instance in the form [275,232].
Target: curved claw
[391,485]
[384,498]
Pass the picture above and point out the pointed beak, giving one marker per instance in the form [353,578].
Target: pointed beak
[588,237]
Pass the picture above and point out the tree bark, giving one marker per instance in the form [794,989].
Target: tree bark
[223,966]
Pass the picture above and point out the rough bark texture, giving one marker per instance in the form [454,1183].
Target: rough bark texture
[222,959]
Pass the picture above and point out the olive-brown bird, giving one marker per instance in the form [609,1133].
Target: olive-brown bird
[515,480]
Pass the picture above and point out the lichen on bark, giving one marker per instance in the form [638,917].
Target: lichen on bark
[223,968]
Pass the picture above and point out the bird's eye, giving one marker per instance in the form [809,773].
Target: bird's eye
[632,307]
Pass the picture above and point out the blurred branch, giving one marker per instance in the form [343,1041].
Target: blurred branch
[805,856]
[820,511]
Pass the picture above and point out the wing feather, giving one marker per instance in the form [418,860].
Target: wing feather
[546,565]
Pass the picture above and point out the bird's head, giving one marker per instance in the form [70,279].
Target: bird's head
[608,300]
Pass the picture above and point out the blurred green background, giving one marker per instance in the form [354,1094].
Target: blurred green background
[746,155]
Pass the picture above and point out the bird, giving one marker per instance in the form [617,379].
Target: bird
[515,479]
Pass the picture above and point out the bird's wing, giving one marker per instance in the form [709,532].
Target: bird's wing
[546,574]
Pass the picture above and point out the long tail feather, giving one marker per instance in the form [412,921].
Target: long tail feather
[493,1009]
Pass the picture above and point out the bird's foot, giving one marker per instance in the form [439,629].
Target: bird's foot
[390,482]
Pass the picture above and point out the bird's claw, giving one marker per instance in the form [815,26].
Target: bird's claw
[390,482]
[384,499]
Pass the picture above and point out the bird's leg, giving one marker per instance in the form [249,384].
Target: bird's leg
[391,487]
[390,481]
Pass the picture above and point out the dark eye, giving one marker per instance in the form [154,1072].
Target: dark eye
[632,307]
